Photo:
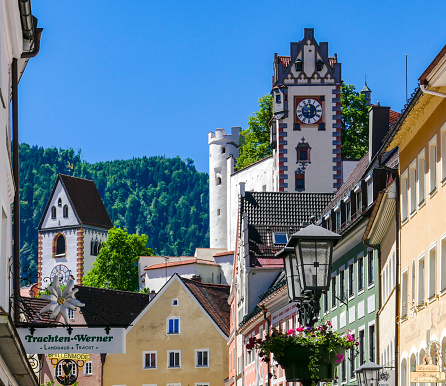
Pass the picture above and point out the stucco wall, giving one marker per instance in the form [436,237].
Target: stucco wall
[149,334]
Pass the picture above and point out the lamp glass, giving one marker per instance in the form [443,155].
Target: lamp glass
[314,263]
[292,276]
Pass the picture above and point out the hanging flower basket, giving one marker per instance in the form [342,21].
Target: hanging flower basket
[308,354]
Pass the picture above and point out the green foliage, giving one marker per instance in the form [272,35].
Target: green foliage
[164,198]
[116,266]
[354,123]
[256,137]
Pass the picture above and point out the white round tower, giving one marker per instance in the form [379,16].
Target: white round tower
[221,146]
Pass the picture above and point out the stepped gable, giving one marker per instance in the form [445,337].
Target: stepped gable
[270,212]
[214,299]
[86,201]
[103,307]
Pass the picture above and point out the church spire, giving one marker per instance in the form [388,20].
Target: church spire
[367,92]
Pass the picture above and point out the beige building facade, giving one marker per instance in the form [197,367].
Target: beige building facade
[421,137]
[178,339]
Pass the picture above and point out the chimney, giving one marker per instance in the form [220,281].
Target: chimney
[378,128]
[196,278]
[152,295]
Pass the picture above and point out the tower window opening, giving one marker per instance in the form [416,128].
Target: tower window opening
[298,65]
[319,65]
[278,98]
[218,180]
[60,245]
[65,211]
[59,202]
[223,149]
[53,212]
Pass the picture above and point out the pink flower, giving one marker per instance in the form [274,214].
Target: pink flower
[329,323]
[290,332]
[356,343]
[350,338]
[299,329]
[340,358]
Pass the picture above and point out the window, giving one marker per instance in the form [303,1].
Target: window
[149,359]
[351,280]
[338,219]
[413,283]
[88,368]
[70,314]
[280,237]
[218,212]
[404,189]
[223,149]
[65,211]
[319,65]
[432,271]
[361,347]
[348,211]
[329,223]
[278,99]
[173,325]
[360,273]
[443,152]
[370,191]
[433,164]
[443,264]
[53,212]
[342,285]
[60,245]
[352,361]
[333,291]
[174,359]
[343,371]
[421,177]
[202,358]
[298,65]
[95,247]
[300,182]
[358,197]
[218,180]
[370,267]
[174,302]
[325,301]
[421,281]
[372,343]
[404,295]
[412,186]
[59,202]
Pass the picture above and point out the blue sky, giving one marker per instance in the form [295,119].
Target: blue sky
[123,79]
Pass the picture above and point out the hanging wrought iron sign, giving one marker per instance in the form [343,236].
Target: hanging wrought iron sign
[66,370]
[427,373]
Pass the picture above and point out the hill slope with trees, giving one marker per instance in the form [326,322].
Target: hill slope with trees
[165,198]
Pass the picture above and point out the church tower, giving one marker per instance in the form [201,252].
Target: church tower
[73,226]
[306,127]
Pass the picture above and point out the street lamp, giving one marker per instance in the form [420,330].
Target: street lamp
[307,260]
[368,374]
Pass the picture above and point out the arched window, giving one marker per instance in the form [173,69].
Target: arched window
[92,247]
[59,202]
[53,212]
[60,245]
[96,248]
[218,180]
[65,211]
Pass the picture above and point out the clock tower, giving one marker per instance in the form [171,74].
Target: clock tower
[306,126]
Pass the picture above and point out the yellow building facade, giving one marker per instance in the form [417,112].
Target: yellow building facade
[179,339]
[421,137]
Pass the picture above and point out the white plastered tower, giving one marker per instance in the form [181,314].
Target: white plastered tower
[221,147]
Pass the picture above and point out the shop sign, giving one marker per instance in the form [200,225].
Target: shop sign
[427,374]
[74,357]
[85,340]
[386,378]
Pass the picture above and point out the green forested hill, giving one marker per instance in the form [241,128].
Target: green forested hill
[165,198]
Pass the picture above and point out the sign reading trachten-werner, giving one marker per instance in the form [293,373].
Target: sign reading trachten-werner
[86,340]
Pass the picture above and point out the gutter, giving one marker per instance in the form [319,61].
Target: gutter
[36,48]
[436,93]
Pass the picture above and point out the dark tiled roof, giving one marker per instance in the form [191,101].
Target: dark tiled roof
[86,201]
[214,299]
[103,307]
[270,212]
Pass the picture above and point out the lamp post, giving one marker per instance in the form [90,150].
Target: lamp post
[307,260]
[368,374]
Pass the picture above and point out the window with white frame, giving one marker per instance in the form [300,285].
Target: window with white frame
[338,217]
[71,314]
[360,273]
[432,271]
[348,209]
[404,189]
[404,295]
[421,177]
[88,368]
[202,357]
[333,292]
[149,360]
[412,186]
[443,263]
[352,360]
[173,359]
[443,152]
[173,325]
[361,347]
[342,285]
[370,267]
[351,280]
[174,302]
[433,164]
[372,342]
[369,190]
[421,280]
[413,284]
[358,194]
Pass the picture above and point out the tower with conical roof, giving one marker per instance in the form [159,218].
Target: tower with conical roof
[367,94]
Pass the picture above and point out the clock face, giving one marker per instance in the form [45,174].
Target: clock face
[62,271]
[309,111]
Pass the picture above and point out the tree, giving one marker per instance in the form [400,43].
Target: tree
[256,137]
[116,266]
[354,123]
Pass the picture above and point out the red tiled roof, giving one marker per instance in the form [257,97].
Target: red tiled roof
[332,61]
[393,117]
[285,60]
[180,262]
[214,299]
[224,253]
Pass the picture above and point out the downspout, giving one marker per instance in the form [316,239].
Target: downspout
[436,93]
[397,262]
[36,48]
[15,167]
